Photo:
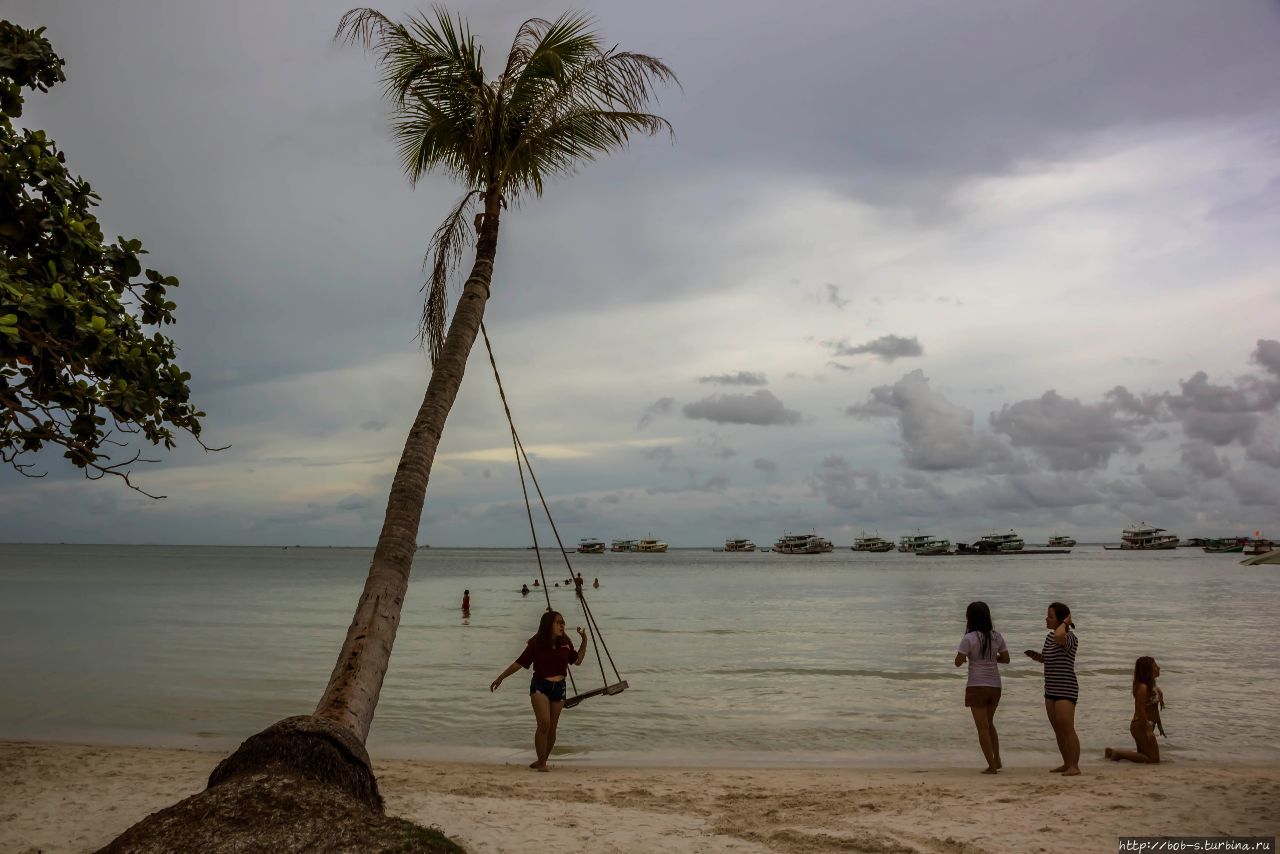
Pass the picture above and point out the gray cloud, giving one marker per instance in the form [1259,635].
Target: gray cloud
[661,406]
[712,445]
[373,424]
[837,483]
[1032,491]
[739,378]
[611,498]
[769,467]
[715,483]
[833,296]
[936,433]
[355,502]
[887,347]
[761,408]
[1203,461]
[1267,353]
[1069,435]
[663,455]
[1164,483]
[1265,445]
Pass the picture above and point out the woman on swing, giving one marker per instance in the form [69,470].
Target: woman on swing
[550,652]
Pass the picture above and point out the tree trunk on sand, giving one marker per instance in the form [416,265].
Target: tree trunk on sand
[306,783]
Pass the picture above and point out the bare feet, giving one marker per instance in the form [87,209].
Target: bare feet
[538,765]
[990,769]
[1058,770]
[999,764]
[1071,772]
[548,768]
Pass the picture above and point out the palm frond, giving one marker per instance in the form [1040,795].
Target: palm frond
[444,253]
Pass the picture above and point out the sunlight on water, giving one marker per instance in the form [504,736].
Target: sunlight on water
[732,658]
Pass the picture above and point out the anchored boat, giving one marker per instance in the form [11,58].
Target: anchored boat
[871,544]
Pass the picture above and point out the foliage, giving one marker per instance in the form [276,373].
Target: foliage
[74,349]
[561,100]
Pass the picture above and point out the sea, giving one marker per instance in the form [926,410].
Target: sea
[732,659]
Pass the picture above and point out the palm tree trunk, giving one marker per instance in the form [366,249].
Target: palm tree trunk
[352,694]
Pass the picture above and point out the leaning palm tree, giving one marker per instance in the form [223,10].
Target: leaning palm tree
[562,99]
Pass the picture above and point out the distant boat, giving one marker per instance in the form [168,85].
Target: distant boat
[802,544]
[737,545]
[933,546]
[1009,542]
[910,542]
[871,544]
[1145,538]
[651,545]
[1058,541]
[622,546]
[1223,547]
[1272,556]
[588,546]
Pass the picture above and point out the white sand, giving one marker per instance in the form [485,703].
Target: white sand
[56,798]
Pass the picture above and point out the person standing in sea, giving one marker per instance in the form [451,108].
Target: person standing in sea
[984,648]
[551,653]
[1061,690]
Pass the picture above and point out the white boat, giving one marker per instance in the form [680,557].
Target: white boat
[871,544]
[802,544]
[1145,538]
[933,546]
[1009,542]
[622,546]
[1058,541]
[739,546]
[589,546]
[910,542]
[651,545]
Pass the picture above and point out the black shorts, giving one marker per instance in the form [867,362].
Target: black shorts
[1057,697]
[553,690]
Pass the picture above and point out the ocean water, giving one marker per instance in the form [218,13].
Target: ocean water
[746,659]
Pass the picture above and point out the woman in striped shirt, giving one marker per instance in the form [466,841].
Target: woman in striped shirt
[1061,690]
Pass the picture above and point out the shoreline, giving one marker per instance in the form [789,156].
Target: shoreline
[58,797]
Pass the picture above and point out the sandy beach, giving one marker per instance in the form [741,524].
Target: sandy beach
[65,798]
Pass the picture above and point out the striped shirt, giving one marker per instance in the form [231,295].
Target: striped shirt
[1060,667]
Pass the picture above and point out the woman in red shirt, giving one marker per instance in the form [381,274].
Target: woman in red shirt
[551,653]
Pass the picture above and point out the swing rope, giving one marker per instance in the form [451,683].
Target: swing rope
[593,628]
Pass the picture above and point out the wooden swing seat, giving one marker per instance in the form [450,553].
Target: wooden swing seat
[608,690]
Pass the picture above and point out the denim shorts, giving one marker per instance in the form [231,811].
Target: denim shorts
[553,690]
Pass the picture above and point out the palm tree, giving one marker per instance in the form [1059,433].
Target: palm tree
[562,99]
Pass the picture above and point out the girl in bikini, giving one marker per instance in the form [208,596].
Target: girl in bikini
[1142,728]
[551,653]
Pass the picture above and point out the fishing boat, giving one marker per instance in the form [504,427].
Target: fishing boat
[737,545]
[622,546]
[1009,542]
[589,546]
[910,542]
[651,545]
[933,546]
[1145,538]
[871,544]
[1058,541]
[802,544]
[1230,545]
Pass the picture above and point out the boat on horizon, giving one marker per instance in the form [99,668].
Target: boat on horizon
[1009,542]
[1144,537]
[1060,541]
[1260,546]
[589,546]
[802,544]
[1227,545]
[871,544]
[739,545]
[934,546]
[651,546]
[622,546]
[910,542]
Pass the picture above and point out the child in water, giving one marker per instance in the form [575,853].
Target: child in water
[1142,728]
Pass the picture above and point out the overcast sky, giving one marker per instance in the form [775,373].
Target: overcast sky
[951,266]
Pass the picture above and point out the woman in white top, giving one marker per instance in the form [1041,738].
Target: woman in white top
[983,647]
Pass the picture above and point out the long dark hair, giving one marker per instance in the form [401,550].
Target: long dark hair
[1063,613]
[978,619]
[1144,673]
[546,626]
